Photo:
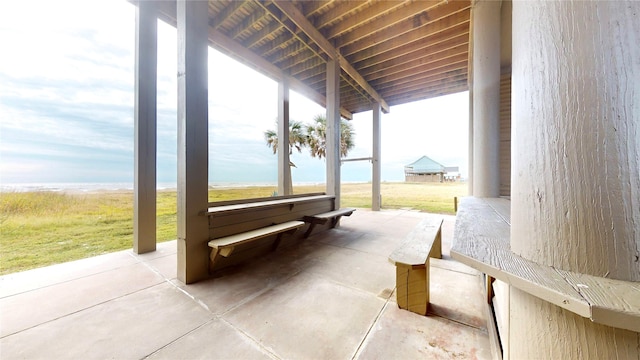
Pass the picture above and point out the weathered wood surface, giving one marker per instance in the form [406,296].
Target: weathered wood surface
[419,243]
[321,219]
[411,259]
[241,216]
[237,239]
[481,240]
[251,206]
[335,213]
[613,302]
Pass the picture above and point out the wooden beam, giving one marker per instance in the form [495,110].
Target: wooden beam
[298,18]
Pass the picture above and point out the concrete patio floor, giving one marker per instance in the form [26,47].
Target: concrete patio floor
[328,297]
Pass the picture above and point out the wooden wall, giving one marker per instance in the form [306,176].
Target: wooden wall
[424,178]
[505,132]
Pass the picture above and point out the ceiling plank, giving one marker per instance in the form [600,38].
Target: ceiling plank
[342,9]
[429,86]
[415,72]
[262,34]
[415,83]
[228,11]
[361,17]
[298,18]
[415,13]
[429,45]
[422,32]
[417,96]
[411,64]
[425,73]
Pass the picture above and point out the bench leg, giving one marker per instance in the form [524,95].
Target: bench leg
[413,287]
[309,230]
[212,258]
[436,248]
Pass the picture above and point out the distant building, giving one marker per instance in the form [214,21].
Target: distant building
[427,170]
[451,173]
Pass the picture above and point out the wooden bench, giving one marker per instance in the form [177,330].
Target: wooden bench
[224,246]
[321,219]
[411,259]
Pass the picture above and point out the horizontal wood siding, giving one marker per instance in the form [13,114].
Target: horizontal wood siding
[505,134]
[229,222]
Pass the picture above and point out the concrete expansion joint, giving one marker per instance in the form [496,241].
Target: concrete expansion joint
[264,348]
[373,325]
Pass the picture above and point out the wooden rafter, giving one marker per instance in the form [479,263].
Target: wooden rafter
[297,17]
[389,51]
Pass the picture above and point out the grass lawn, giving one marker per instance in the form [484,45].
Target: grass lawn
[43,228]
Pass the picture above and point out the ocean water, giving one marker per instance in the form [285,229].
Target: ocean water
[118,186]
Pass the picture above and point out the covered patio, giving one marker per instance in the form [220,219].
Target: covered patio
[327,297]
[553,221]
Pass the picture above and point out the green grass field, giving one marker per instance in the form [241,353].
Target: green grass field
[43,228]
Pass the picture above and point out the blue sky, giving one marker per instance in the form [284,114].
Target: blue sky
[66,106]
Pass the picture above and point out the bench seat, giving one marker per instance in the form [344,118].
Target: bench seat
[224,246]
[321,219]
[411,259]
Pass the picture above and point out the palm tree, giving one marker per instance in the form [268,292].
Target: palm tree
[297,140]
[297,137]
[317,137]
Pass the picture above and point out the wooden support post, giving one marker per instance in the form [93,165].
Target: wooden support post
[376,200]
[333,131]
[575,177]
[486,98]
[285,185]
[145,129]
[412,284]
[193,147]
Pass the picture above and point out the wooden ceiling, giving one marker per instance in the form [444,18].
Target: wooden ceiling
[392,52]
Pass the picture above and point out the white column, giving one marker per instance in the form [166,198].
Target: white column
[576,165]
[376,200]
[285,186]
[333,130]
[193,149]
[145,129]
[486,98]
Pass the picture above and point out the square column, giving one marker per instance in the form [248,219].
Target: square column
[145,129]
[193,149]
[376,201]
[333,130]
[285,185]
